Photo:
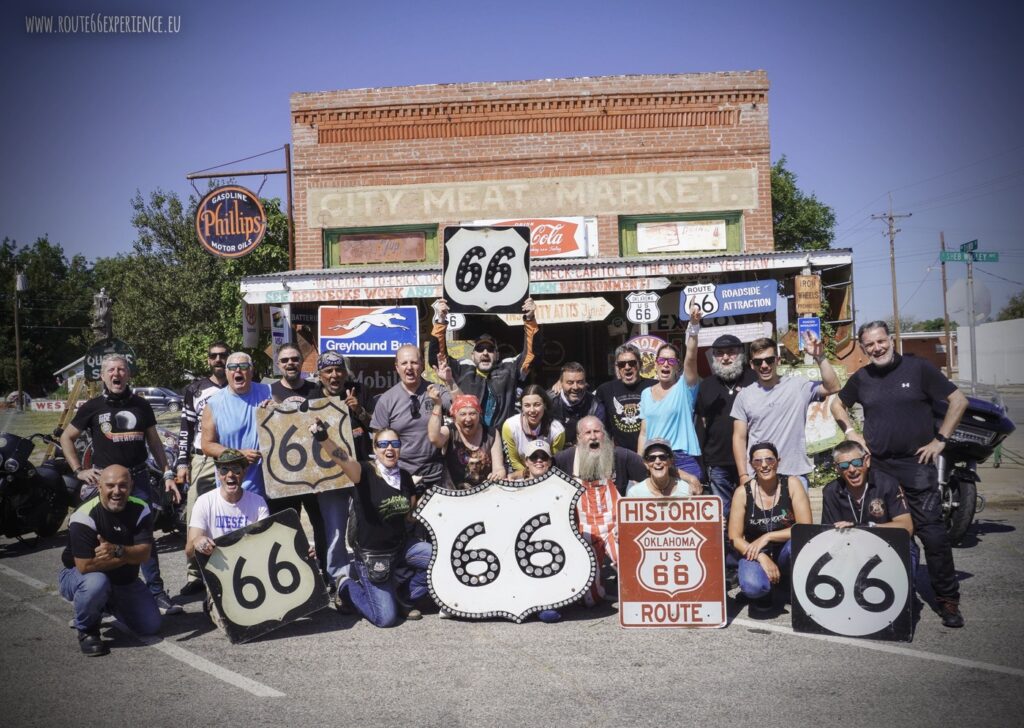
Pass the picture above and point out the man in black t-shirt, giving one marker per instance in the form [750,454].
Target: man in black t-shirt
[897,393]
[621,398]
[122,424]
[109,536]
[293,390]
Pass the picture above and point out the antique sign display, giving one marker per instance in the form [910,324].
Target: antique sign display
[230,221]
[486,269]
[554,237]
[643,307]
[293,462]
[729,299]
[671,562]
[648,347]
[261,577]
[368,331]
[682,236]
[507,548]
[94,357]
[853,582]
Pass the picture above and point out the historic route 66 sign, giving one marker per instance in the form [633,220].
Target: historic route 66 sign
[643,307]
[261,577]
[671,565]
[853,582]
[507,548]
[701,295]
[293,462]
[486,269]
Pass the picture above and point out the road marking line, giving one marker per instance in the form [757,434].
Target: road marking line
[884,647]
[158,643]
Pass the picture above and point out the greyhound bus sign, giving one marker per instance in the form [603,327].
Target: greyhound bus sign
[368,330]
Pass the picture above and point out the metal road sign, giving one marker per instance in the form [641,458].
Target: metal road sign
[980,257]
[953,256]
[969,246]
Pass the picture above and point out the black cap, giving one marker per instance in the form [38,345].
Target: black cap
[726,340]
[482,338]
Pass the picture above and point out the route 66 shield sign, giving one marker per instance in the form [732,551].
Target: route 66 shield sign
[507,548]
[669,561]
[643,307]
[293,461]
[261,577]
[485,269]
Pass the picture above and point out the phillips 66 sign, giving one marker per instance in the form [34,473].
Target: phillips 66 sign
[507,548]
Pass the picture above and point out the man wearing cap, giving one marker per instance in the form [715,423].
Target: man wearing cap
[334,504]
[221,511]
[621,397]
[605,471]
[493,383]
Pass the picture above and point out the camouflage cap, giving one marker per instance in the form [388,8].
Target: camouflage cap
[230,457]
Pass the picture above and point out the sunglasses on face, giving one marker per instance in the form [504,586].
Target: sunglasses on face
[217,355]
[657,457]
[539,457]
[764,461]
[225,469]
[480,348]
[759,361]
[289,359]
[856,462]
[384,444]
[242,367]
[626,363]
[670,360]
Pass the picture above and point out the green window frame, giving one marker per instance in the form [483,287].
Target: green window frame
[733,232]
[331,239]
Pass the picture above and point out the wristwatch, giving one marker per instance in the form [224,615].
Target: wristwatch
[941,438]
[118,551]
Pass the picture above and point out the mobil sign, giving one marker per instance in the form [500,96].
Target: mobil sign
[368,330]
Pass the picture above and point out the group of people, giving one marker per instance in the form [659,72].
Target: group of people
[737,434]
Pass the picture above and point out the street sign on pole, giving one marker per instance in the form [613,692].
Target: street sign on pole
[953,256]
[980,257]
[958,256]
[970,246]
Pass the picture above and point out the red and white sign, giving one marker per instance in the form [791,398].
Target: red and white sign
[671,562]
[554,237]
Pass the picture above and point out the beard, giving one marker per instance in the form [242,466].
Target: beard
[597,463]
[731,372]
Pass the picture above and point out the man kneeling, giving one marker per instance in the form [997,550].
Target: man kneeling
[109,537]
[223,510]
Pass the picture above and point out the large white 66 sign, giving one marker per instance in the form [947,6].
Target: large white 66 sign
[701,295]
[486,269]
[261,577]
[507,548]
[853,582]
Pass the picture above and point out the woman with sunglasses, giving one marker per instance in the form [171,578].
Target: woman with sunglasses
[666,409]
[763,512]
[472,454]
[534,422]
[390,567]
[664,479]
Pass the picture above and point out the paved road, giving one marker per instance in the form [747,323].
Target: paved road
[583,671]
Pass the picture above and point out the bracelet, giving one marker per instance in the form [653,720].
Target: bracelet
[168,475]
[693,330]
[848,430]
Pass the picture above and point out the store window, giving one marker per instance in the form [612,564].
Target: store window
[701,234]
[351,247]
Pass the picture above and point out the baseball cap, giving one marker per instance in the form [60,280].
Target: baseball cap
[486,339]
[658,443]
[725,341]
[230,457]
[536,446]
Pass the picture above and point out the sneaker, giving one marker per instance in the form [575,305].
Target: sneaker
[195,586]
[166,606]
[444,615]
[342,604]
[413,615]
[91,645]
[549,616]
[949,610]
[761,608]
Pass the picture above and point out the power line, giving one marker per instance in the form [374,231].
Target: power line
[244,159]
[1016,283]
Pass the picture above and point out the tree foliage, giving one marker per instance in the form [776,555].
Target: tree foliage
[1014,309]
[799,221]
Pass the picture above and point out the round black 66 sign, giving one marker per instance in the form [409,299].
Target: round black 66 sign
[854,581]
[486,269]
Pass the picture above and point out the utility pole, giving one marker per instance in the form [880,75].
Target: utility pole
[20,285]
[945,310]
[970,318]
[890,218]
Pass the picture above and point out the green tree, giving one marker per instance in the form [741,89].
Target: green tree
[1014,309]
[932,324]
[799,221]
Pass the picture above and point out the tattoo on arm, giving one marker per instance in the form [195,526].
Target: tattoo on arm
[339,453]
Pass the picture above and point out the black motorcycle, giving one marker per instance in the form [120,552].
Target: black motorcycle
[32,499]
[983,427]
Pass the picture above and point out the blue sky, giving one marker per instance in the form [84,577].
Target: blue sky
[920,99]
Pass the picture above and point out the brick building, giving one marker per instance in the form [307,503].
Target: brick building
[629,182]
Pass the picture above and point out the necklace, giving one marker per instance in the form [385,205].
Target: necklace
[662,491]
[775,502]
[858,515]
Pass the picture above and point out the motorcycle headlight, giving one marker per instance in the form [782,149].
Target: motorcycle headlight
[11,465]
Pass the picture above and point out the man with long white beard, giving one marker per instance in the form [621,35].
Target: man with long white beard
[605,471]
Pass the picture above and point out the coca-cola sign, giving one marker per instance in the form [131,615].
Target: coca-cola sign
[551,237]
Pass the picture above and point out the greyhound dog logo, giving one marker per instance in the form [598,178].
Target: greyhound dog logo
[359,322]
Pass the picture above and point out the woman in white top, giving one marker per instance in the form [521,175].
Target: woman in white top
[664,479]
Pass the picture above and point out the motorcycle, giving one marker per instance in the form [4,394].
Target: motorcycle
[983,427]
[32,499]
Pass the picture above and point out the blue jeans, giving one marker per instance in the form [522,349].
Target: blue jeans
[141,488]
[754,581]
[379,602]
[91,593]
[723,480]
[334,506]
[688,464]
